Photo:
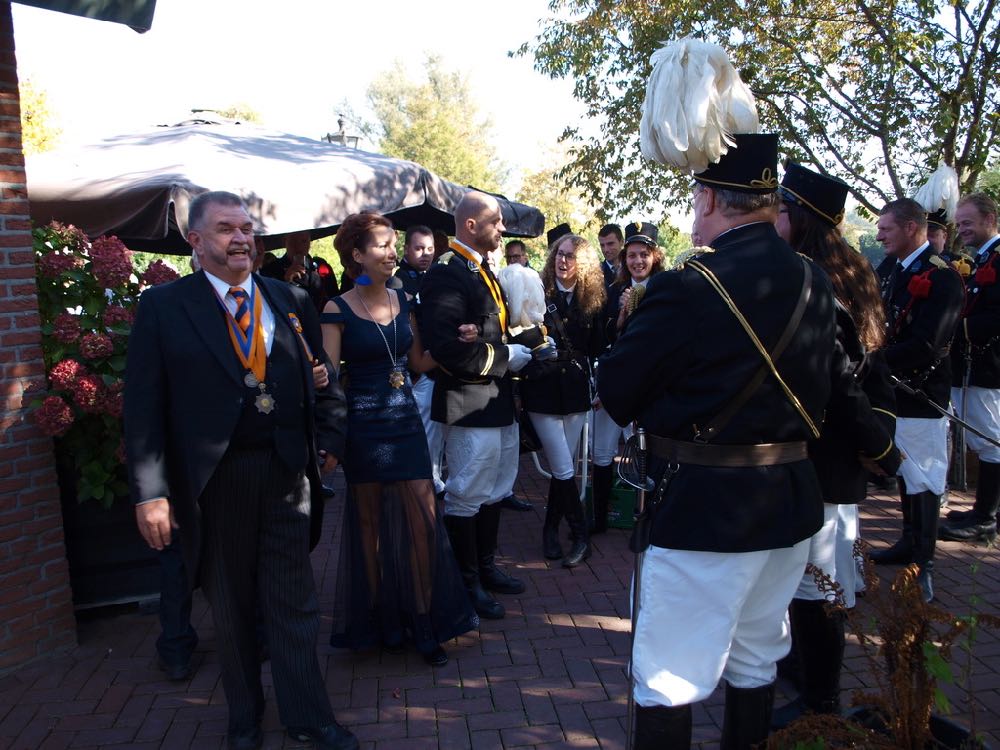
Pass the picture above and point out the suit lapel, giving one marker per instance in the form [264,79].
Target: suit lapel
[203,308]
[286,340]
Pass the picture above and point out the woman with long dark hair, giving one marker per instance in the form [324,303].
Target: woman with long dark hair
[810,213]
[397,579]
[557,394]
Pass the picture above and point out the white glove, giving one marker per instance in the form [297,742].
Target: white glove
[517,357]
[545,353]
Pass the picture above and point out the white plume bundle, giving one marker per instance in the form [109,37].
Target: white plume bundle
[525,295]
[695,101]
[940,191]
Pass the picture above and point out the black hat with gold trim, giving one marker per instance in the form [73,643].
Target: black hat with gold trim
[820,194]
[938,218]
[749,166]
[557,232]
[641,231]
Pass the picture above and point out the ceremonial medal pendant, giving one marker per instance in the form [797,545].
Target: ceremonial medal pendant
[396,379]
[264,402]
[250,380]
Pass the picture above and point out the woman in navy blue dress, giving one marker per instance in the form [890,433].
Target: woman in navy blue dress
[397,579]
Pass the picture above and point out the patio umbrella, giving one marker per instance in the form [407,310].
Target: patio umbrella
[138,186]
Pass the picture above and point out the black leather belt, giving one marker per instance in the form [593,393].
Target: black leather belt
[729,456]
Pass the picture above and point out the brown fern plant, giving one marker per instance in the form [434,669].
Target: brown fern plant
[907,643]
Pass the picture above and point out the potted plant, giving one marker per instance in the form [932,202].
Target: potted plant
[87,292]
[908,644]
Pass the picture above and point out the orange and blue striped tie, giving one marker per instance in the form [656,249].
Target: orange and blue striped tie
[242,315]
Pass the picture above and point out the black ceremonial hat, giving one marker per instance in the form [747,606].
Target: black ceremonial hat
[557,232]
[643,232]
[819,194]
[938,218]
[751,166]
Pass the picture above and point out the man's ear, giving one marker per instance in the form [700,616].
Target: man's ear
[709,199]
[194,238]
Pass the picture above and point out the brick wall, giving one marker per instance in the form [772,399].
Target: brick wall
[36,613]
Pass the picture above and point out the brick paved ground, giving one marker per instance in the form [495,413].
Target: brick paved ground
[550,675]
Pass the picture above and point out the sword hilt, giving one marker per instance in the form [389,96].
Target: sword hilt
[641,467]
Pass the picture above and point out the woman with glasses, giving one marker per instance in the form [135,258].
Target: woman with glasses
[556,394]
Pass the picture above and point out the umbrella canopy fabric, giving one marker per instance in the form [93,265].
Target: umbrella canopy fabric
[139,186]
[135,13]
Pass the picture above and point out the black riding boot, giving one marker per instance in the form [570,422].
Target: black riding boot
[747,718]
[603,478]
[926,511]
[462,535]
[573,507]
[550,530]
[487,529]
[660,727]
[980,523]
[901,553]
[819,639]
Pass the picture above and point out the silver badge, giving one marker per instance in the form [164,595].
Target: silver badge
[250,380]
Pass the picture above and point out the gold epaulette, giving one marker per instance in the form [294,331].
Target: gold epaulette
[937,260]
[691,254]
[446,257]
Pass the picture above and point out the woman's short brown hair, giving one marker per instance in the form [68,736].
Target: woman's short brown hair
[353,234]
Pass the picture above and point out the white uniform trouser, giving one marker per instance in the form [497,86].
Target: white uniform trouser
[831,549]
[423,390]
[925,444]
[982,411]
[706,615]
[482,467]
[605,436]
[560,436]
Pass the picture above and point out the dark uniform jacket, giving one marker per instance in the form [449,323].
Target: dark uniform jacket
[609,273]
[923,303]
[681,360]
[849,427]
[978,332]
[185,397]
[319,288]
[411,278]
[473,385]
[563,386]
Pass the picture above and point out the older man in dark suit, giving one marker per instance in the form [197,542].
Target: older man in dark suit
[224,431]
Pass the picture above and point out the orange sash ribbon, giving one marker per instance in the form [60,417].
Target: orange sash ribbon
[491,284]
[252,353]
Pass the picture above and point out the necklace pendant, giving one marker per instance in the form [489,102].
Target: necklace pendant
[396,379]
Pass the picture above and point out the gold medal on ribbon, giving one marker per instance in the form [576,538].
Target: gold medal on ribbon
[396,379]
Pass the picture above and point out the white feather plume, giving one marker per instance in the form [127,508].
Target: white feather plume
[525,295]
[695,100]
[940,191]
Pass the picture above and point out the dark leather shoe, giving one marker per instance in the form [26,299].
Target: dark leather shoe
[969,530]
[579,552]
[512,503]
[436,658]
[961,515]
[249,740]
[331,737]
[926,581]
[176,672]
[494,579]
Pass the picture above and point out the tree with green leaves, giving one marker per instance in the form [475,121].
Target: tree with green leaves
[873,91]
[39,131]
[435,123]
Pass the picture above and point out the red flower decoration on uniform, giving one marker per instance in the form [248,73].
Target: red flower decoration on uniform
[66,328]
[986,275]
[87,393]
[96,346]
[65,373]
[920,286]
[158,273]
[54,416]
[111,261]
